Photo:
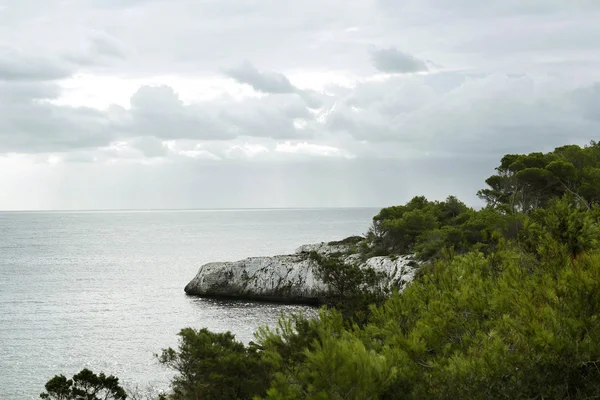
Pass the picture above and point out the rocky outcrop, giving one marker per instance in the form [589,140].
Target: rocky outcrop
[289,278]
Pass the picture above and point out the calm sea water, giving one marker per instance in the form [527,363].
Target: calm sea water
[104,290]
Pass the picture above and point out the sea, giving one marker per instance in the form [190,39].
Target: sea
[103,290]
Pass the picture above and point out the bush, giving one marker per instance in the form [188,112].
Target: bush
[215,366]
[352,288]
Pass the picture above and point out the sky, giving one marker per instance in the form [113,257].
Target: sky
[119,104]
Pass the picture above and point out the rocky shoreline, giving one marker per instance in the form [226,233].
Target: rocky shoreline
[290,278]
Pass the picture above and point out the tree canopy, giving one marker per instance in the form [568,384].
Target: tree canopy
[426,228]
[525,182]
[84,385]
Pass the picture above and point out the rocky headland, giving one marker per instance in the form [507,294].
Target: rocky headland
[291,278]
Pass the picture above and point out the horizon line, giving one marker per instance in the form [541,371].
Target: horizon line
[183,209]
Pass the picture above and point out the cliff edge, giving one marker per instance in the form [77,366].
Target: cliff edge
[291,278]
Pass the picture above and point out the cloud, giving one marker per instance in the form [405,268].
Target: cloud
[401,116]
[261,81]
[100,48]
[512,7]
[33,122]
[30,123]
[441,113]
[312,98]
[496,10]
[150,146]
[269,82]
[481,115]
[157,111]
[104,44]
[270,116]
[391,60]
[43,127]
[198,154]
[192,150]
[246,150]
[17,65]
[312,149]
[128,93]
[156,98]
[15,92]
[586,100]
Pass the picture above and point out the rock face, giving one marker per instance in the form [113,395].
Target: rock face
[286,278]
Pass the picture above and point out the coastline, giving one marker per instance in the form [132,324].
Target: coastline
[293,278]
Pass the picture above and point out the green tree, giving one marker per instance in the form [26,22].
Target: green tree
[526,182]
[352,288]
[338,365]
[565,223]
[214,366]
[84,385]
[429,228]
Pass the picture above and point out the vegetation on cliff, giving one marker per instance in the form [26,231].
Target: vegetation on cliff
[506,304]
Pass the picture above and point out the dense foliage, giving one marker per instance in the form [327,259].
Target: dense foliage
[506,304]
[522,322]
[353,289]
[215,366]
[85,385]
[525,182]
[428,228]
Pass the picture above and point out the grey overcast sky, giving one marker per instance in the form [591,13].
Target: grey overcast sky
[280,103]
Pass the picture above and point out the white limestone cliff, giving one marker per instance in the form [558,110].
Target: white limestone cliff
[287,278]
